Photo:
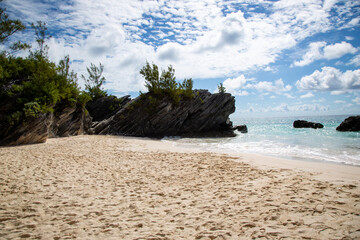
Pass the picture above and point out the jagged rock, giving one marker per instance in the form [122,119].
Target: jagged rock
[70,121]
[66,122]
[105,107]
[241,128]
[31,130]
[306,124]
[151,115]
[350,124]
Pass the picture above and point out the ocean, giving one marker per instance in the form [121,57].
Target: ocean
[277,137]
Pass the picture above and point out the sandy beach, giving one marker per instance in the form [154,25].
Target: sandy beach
[104,187]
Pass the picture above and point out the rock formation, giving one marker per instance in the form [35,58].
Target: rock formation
[105,107]
[350,124]
[306,124]
[65,122]
[157,116]
[241,128]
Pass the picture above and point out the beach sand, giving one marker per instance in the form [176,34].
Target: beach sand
[104,187]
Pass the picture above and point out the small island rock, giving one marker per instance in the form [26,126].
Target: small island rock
[241,128]
[351,124]
[306,124]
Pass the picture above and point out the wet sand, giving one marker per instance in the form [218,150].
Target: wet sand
[103,187]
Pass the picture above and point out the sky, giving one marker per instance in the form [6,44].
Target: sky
[278,58]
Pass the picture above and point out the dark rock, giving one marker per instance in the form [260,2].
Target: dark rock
[105,107]
[241,128]
[63,122]
[31,130]
[70,121]
[351,124]
[157,116]
[306,124]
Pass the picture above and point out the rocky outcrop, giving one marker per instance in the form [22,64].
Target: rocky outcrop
[65,122]
[31,130]
[105,107]
[70,121]
[351,124]
[156,116]
[306,124]
[241,128]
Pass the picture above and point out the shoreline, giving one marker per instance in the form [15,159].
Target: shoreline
[108,187]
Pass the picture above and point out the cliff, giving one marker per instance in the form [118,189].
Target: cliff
[149,115]
[64,122]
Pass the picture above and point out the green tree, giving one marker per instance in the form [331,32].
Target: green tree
[221,88]
[166,82]
[94,81]
[9,27]
[152,79]
[42,35]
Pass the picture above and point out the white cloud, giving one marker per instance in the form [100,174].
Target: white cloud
[319,50]
[355,61]
[356,100]
[340,101]
[330,79]
[233,85]
[349,38]
[308,95]
[278,86]
[196,37]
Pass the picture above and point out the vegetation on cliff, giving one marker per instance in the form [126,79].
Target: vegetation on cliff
[33,85]
[165,84]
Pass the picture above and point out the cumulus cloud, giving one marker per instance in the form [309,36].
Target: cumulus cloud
[308,95]
[320,50]
[356,100]
[234,85]
[330,79]
[201,39]
[264,86]
[355,61]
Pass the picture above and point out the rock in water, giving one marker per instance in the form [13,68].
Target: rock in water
[157,116]
[351,124]
[306,124]
[241,128]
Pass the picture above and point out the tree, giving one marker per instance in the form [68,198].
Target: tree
[221,88]
[151,75]
[94,81]
[166,83]
[41,32]
[8,28]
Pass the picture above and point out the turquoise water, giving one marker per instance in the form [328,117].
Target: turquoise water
[277,137]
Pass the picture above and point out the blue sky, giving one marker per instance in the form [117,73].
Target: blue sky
[278,58]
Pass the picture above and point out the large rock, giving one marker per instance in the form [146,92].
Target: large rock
[351,124]
[105,107]
[306,124]
[63,122]
[150,115]
[70,121]
[30,130]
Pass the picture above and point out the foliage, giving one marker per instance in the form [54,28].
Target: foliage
[42,35]
[166,82]
[94,82]
[9,27]
[31,109]
[33,84]
[221,88]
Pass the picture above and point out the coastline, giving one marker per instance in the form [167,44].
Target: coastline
[92,187]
